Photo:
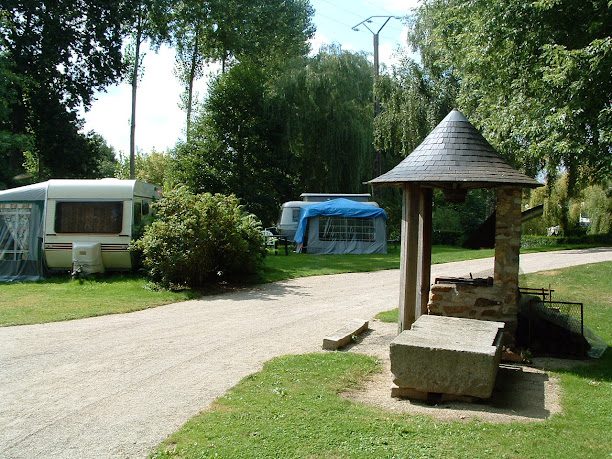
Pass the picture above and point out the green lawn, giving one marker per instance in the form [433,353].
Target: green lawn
[292,409]
[60,298]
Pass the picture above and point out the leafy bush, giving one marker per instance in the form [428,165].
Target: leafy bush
[197,238]
[448,237]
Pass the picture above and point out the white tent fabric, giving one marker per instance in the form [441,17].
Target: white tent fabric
[21,223]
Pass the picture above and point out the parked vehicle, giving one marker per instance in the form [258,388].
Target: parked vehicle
[290,211]
[78,225]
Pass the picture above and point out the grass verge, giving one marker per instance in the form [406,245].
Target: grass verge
[292,408]
[60,298]
[57,299]
[281,267]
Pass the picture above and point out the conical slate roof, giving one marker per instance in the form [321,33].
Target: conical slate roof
[455,152]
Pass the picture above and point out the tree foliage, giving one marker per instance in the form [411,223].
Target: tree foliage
[593,202]
[10,142]
[326,105]
[534,76]
[413,101]
[57,55]
[268,134]
[231,147]
[154,167]
[231,31]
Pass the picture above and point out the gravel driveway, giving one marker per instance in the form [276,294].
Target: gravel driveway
[115,386]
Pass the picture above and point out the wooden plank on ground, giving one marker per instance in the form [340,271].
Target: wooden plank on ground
[344,335]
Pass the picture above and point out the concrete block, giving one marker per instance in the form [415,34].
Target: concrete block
[344,335]
[448,355]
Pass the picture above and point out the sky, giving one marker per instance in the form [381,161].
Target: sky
[160,122]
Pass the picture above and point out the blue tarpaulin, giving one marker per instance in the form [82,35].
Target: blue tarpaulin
[336,208]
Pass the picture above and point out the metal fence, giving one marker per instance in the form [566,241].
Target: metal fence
[564,330]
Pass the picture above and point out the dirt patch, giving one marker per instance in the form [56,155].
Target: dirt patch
[552,273]
[521,393]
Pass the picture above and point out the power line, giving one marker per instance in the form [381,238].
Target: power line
[340,8]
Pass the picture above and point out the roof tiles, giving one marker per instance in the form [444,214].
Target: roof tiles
[455,152]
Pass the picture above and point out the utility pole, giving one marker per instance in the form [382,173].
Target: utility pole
[364,23]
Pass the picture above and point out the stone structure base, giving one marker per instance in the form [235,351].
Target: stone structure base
[447,355]
[474,302]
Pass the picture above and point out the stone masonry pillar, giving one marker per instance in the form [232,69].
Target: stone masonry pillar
[507,247]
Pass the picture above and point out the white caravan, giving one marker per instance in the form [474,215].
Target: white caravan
[83,225]
[289,216]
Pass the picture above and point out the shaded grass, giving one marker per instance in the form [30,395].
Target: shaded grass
[60,298]
[292,409]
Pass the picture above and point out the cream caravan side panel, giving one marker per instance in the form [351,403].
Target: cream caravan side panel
[115,253]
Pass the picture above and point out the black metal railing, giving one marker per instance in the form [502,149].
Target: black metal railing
[566,318]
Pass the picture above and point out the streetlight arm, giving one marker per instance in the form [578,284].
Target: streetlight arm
[382,26]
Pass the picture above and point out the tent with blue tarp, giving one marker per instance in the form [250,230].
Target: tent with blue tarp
[342,226]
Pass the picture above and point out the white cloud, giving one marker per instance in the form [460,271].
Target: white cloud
[317,41]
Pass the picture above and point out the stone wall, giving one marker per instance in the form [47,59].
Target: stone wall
[498,302]
[508,244]
[473,302]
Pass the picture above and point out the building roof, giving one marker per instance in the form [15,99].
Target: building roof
[455,153]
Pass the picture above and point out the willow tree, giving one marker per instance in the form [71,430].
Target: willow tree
[269,133]
[326,104]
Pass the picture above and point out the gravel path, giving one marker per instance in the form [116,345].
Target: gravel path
[115,386]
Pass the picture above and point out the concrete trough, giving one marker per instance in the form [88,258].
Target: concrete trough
[447,355]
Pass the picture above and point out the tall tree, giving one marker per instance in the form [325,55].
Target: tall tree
[149,23]
[60,53]
[229,149]
[328,115]
[191,30]
[233,31]
[413,101]
[535,76]
[269,133]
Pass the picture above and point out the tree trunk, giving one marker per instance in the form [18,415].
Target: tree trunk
[134,89]
[571,177]
[192,73]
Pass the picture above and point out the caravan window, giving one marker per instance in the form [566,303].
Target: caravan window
[89,217]
[295,215]
[137,213]
[346,229]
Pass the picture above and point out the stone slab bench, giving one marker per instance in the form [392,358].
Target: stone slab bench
[344,335]
[446,355]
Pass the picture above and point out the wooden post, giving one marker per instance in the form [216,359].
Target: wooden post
[409,256]
[424,275]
